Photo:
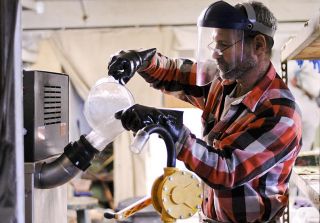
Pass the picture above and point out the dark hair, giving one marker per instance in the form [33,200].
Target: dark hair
[264,16]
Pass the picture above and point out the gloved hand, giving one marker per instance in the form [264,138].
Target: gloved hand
[123,65]
[138,116]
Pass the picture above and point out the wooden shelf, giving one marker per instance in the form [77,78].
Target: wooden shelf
[306,45]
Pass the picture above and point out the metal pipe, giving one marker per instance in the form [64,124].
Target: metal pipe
[56,173]
[77,156]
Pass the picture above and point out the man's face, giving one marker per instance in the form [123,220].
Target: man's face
[235,56]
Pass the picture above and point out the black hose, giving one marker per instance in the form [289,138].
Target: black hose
[165,135]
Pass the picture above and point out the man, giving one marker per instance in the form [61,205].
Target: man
[252,127]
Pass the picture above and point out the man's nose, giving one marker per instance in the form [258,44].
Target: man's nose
[216,53]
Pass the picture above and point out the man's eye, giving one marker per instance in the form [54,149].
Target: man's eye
[222,45]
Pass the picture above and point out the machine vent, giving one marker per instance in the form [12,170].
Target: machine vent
[52,104]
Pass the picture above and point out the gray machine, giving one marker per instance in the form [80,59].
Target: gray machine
[46,123]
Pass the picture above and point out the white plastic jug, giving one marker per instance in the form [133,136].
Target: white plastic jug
[106,98]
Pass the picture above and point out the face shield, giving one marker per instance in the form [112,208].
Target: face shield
[219,52]
[221,30]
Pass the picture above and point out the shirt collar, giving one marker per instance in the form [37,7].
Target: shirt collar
[252,98]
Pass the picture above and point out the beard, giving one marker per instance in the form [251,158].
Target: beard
[229,72]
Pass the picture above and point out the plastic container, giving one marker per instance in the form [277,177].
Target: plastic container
[106,98]
[139,141]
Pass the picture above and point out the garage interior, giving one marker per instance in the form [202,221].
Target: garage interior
[42,39]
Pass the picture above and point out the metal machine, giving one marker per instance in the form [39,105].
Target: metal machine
[175,195]
[46,115]
[50,160]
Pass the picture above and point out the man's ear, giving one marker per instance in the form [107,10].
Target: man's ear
[260,44]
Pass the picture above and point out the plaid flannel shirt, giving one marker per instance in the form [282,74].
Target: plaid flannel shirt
[247,156]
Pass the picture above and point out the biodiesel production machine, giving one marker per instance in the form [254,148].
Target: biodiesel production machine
[50,160]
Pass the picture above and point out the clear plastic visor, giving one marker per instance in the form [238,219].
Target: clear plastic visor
[219,52]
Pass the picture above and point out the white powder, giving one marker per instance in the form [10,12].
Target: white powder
[104,100]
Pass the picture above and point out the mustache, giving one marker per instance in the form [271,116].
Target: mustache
[222,64]
[221,61]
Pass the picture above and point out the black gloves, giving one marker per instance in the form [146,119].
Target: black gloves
[138,116]
[123,65]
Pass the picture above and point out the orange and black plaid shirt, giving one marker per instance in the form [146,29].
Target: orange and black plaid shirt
[247,156]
